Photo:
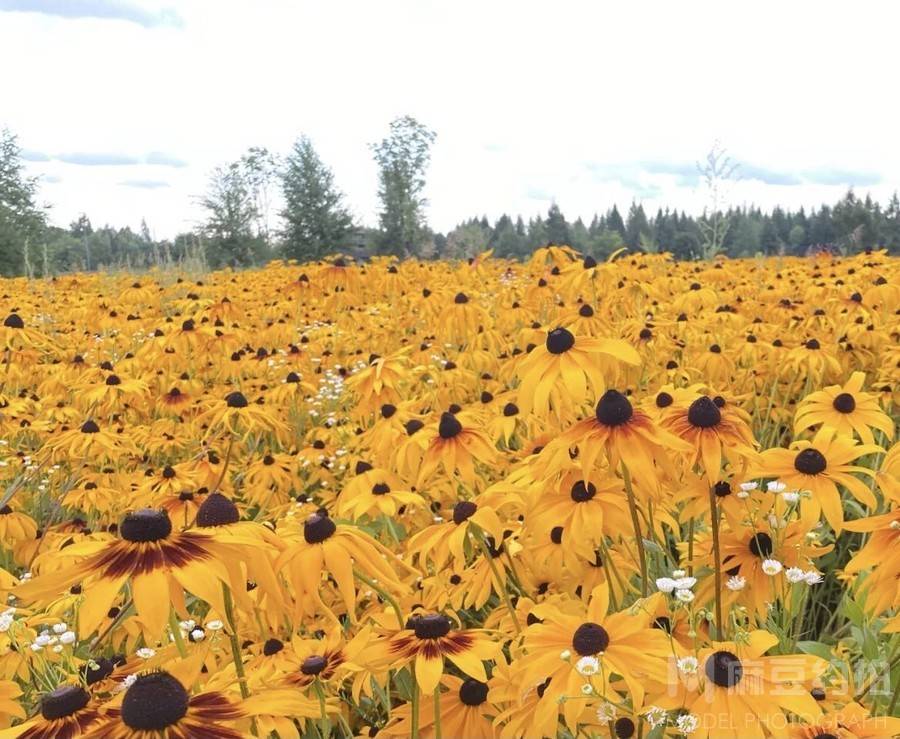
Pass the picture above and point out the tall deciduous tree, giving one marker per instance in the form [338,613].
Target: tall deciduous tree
[402,158]
[21,221]
[316,221]
[231,216]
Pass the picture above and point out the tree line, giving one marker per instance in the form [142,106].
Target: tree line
[265,206]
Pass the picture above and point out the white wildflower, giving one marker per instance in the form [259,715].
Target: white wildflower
[735,583]
[588,666]
[665,584]
[606,712]
[67,637]
[794,575]
[771,566]
[687,723]
[812,577]
[684,595]
[656,716]
[776,486]
[687,665]
[145,652]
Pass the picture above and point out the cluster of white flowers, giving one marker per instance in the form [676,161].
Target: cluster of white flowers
[56,641]
[793,575]
[6,619]
[679,584]
[746,489]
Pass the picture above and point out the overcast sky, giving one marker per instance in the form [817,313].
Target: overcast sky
[124,107]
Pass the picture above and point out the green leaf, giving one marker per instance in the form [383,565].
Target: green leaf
[815,648]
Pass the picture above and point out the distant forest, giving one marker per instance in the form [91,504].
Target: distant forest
[242,227]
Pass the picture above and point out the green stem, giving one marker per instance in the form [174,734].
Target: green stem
[383,593]
[414,728]
[325,723]
[500,586]
[235,643]
[176,633]
[437,711]
[717,560]
[635,522]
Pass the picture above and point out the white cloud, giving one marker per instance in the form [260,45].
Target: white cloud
[582,103]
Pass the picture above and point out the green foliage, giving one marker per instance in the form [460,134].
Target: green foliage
[232,219]
[402,158]
[21,221]
[316,221]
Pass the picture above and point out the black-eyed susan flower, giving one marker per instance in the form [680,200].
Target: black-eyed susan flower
[327,548]
[152,560]
[428,640]
[560,372]
[819,466]
[847,409]
[68,711]
[454,447]
[737,690]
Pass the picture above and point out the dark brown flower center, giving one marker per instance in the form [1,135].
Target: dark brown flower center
[463,510]
[388,410]
[664,400]
[559,341]
[473,692]
[113,380]
[810,462]
[14,320]
[817,694]
[313,665]
[89,427]
[461,299]
[154,702]
[510,409]
[64,701]
[826,735]
[722,489]
[585,311]
[614,409]
[624,728]
[449,426]
[589,639]
[380,488]
[272,646]
[724,669]
[236,400]
[761,545]
[147,524]
[217,510]
[413,425]
[318,527]
[703,413]
[556,534]
[433,626]
[581,492]
[844,403]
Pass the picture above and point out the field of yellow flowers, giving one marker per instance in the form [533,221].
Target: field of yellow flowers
[637,498]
